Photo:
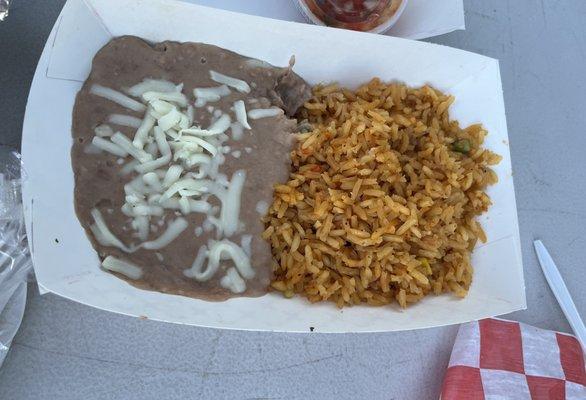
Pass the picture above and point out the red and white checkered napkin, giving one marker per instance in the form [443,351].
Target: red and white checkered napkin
[497,359]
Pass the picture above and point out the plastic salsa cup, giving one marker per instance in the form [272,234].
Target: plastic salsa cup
[374,16]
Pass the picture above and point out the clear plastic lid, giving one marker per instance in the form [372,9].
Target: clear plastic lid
[360,15]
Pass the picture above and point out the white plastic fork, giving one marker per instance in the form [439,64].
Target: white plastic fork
[560,291]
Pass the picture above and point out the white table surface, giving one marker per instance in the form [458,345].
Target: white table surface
[68,351]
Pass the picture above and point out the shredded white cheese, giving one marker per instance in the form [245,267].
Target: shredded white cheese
[140,137]
[199,132]
[91,149]
[246,244]
[159,108]
[231,251]
[221,125]
[152,149]
[201,160]
[188,193]
[117,97]
[190,114]
[170,119]
[184,205]
[164,149]
[201,186]
[233,282]
[196,206]
[123,267]
[262,207]
[196,271]
[129,167]
[173,134]
[172,175]
[141,225]
[230,213]
[124,120]
[205,95]
[259,113]
[207,226]
[144,210]
[237,84]
[126,144]
[240,111]
[153,165]
[98,235]
[173,231]
[103,131]
[108,146]
[152,179]
[237,131]
[105,234]
[199,206]
[151,85]
[173,97]
[200,142]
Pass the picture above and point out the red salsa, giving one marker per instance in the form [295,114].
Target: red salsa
[358,15]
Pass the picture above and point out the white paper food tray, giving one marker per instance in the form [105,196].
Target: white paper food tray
[64,260]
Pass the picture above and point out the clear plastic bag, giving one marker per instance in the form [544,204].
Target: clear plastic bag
[15,259]
[4,4]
